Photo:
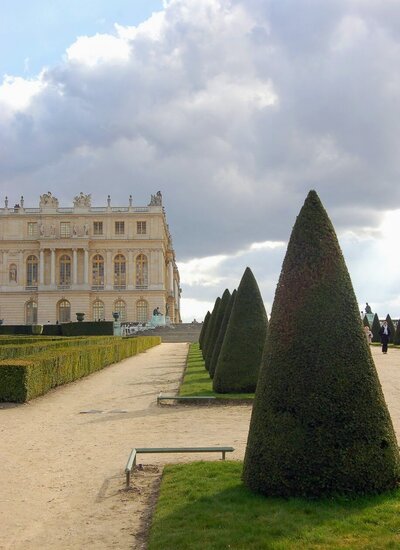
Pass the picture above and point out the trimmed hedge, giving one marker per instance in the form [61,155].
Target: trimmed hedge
[204,328]
[88,328]
[215,330]
[27,378]
[221,334]
[209,329]
[320,425]
[376,327]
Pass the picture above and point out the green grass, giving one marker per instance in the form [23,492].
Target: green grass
[205,505]
[197,382]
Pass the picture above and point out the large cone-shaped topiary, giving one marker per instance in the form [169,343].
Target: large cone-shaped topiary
[217,325]
[239,360]
[391,328]
[376,327]
[320,425]
[204,328]
[210,327]
[221,334]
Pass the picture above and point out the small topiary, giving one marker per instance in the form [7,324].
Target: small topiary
[217,325]
[239,360]
[391,328]
[203,328]
[320,425]
[221,334]
[376,327]
[366,322]
[210,327]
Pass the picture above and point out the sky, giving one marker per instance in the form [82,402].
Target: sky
[234,109]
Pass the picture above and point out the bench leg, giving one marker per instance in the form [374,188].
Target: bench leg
[223,455]
[128,479]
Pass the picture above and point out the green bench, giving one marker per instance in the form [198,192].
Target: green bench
[151,450]
[168,397]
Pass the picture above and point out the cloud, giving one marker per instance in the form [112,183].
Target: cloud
[234,109]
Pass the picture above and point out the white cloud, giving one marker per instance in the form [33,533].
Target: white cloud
[16,93]
[98,49]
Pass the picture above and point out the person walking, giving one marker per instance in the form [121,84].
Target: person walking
[385,335]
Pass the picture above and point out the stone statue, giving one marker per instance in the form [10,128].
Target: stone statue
[47,199]
[6,202]
[156,200]
[85,229]
[52,230]
[368,308]
[75,230]
[108,201]
[82,200]
[41,230]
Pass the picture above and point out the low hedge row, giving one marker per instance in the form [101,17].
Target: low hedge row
[27,378]
[86,328]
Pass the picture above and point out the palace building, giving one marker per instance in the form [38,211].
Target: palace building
[56,262]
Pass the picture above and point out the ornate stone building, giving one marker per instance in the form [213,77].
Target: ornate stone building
[58,261]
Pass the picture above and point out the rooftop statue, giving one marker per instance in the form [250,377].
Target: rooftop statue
[156,200]
[82,200]
[47,199]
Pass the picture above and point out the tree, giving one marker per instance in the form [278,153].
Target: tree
[210,328]
[391,328]
[376,327]
[204,328]
[221,334]
[320,425]
[366,322]
[217,325]
[239,360]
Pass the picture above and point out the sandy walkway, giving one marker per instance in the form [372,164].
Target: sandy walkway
[61,474]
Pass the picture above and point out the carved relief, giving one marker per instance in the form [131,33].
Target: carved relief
[82,200]
[47,200]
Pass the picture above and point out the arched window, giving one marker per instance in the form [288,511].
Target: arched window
[142,271]
[31,313]
[31,271]
[65,270]
[12,273]
[142,313]
[98,310]
[64,311]
[120,307]
[98,270]
[119,270]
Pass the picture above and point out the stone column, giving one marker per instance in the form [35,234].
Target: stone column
[170,277]
[86,267]
[41,267]
[5,270]
[53,267]
[74,266]
[108,271]
[20,266]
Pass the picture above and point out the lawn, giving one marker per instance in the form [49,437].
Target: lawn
[204,505]
[197,382]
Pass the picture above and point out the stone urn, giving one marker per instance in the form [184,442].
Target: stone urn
[80,317]
[115,315]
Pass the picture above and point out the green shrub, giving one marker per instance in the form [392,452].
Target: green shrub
[239,360]
[204,328]
[217,325]
[366,322]
[221,334]
[376,327]
[320,425]
[25,379]
[210,327]
[16,329]
[35,346]
[391,328]
[88,328]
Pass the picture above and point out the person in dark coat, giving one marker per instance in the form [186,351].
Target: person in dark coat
[385,335]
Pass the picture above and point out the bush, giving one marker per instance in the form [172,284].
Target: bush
[391,328]
[37,346]
[366,322]
[376,327]
[25,379]
[239,360]
[217,325]
[210,327]
[221,334]
[88,328]
[204,328]
[320,425]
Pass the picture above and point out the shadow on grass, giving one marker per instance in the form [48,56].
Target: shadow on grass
[205,505]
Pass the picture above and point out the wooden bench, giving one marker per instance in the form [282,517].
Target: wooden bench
[151,450]
[168,397]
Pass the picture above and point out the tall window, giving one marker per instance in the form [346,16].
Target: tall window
[31,312]
[32,229]
[65,270]
[98,270]
[141,228]
[64,311]
[120,307]
[65,229]
[119,228]
[31,271]
[142,311]
[12,273]
[98,310]
[97,228]
[119,270]
[142,271]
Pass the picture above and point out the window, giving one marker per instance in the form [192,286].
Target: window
[141,228]
[32,229]
[65,229]
[31,313]
[98,310]
[31,271]
[65,270]
[119,228]
[119,270]
[142,311]
[120,307]
[12,273]
[97,228]
[141,271]
[98,270]
[64,311]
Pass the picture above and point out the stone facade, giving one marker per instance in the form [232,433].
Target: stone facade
[57,261]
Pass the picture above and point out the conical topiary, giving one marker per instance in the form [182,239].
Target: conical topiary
[396,339]
[221,334]
[204,328]
[217,325]
[366,322]
[239,360]
[210,327]
[320,425]
[376,327]
[391,328]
